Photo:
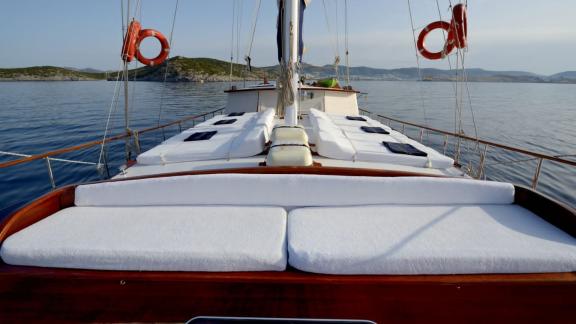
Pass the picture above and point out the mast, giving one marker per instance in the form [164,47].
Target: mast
[290,48]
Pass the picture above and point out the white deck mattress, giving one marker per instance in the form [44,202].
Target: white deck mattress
[426,240]
[154,238]
[339,138]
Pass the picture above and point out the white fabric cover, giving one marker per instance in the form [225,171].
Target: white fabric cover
[335,146]
[154,238]
[223,145]
[297,134]
[266,119]
[289,156]
[339,138]
[240,123]
[369,148]
[426,240]
[289,190]
[343,121]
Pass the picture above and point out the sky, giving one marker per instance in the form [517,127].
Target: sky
[534,36]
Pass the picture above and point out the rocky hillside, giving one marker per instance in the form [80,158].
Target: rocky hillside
[182,69]
[198,69]
[48,73]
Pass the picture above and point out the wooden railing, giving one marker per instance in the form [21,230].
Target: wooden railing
[541,157]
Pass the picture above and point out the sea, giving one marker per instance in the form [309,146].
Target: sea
[41,116]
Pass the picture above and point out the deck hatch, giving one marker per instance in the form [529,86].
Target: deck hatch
[355,118]
[236,114]
[403,148]
[200,136]
[225,121]
[374,130]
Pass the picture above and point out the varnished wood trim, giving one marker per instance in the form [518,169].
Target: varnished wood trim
[301,88]
[316,170]
[37,210]
[110,296]
[291,275]
[549,209]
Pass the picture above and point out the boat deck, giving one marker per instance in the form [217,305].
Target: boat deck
[339,144]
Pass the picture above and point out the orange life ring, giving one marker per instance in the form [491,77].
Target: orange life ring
[130,40]
[448,46]
[459,25]
[144,33]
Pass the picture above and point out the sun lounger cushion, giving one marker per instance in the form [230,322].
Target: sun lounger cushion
[292,191]
[177,238]
[426,240]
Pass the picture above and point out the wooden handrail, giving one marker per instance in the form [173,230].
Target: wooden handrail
[99,142]
[502,146]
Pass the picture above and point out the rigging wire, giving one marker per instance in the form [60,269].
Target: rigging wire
[421,91]
[255,16]
[337,60]
[111,110]
[166,64]
[333,41]
[238,29]
[346,43]
[232,41]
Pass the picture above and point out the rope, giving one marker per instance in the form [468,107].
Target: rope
[284,84]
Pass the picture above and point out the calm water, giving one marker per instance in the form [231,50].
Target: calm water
[42,116]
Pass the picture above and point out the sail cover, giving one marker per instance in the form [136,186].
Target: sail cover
[280,28]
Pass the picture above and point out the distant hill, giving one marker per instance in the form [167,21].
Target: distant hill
[564,77]
[182,69]
[197,69]
[51,73]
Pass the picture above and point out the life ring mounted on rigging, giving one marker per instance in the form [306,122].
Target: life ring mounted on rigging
[132,40]
[457,30]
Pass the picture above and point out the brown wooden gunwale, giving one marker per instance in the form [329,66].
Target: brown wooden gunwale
[31,293]
[553,211]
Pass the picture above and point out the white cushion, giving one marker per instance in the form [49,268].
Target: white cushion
[297,134]
[289,155]
[289,190]
[426,240]
[225,144]
[217,147]
[344,121]
[241,121]
[266,119]
[154,238]
[251,142]
[335,146]
[369,148]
